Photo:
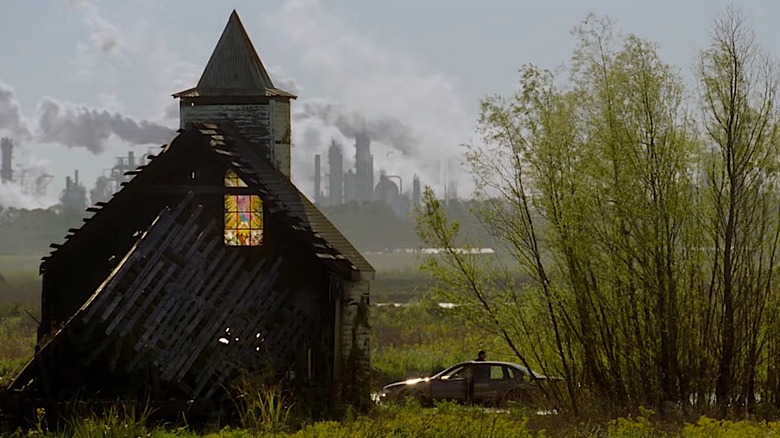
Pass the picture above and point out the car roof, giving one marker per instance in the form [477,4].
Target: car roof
[496,362]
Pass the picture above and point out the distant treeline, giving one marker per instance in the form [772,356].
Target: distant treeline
[374,226]
[29,232]
[370,226]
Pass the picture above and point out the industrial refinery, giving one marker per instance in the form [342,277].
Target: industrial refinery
[31,181]
[357,185]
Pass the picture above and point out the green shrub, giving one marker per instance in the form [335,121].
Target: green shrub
[709,428]
[410,420]
[637,427]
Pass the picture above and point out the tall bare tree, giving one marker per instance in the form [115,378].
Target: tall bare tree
[738,88]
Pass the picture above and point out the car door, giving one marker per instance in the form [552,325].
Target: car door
[491,382]
[453,385]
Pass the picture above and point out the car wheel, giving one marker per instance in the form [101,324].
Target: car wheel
[518,396]
[414,394]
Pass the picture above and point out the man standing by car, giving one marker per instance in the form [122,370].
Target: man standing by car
[478,372]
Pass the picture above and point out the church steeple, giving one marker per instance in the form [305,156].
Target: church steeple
[236,89]
[235,68]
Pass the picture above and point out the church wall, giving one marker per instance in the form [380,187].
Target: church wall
[282,132]
[252,120]
[356,341]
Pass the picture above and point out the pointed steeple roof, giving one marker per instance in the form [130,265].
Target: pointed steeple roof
[235,68]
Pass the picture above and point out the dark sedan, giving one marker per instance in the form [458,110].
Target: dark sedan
[479,382]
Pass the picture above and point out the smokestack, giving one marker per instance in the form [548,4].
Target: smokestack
[6,157]
[364,167]
[335,174]
[416,192]
[317,180]
[76,182]
[131,160]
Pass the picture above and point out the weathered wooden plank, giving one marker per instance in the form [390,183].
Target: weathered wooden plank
[212,330]
[116,298]
[261,283]
[97,350]
[200,294]
[159,228]
[134,292]
[230,272]
[150,298]
[180,323]
[203,298]
[217,322]
[162,321]
[191,273]
[144,247]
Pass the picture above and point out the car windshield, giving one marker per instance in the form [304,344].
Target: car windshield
[454,368]
[447,371]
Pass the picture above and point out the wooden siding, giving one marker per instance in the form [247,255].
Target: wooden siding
[252,121]
[282,133]
[184,305]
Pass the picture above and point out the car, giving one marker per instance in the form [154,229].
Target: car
[480,382]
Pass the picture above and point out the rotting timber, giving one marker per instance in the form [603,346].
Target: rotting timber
[155,308]
[154,300]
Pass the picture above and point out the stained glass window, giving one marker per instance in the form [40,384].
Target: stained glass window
[243,215]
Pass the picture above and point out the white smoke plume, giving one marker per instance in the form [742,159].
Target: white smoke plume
[411,108]
[105,36]
[350,123]
[13,196]
[81,126]
[11,120]
[281,80]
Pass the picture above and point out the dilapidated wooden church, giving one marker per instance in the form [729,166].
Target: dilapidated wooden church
[209,262]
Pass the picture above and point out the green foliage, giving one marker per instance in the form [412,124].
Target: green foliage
[650,247]
[115,421]
[420,338]
[637,427]
[264,409]
[262,404]
[709,428]
[410,420]
[17,341]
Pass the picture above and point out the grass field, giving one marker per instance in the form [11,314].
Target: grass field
[413,340]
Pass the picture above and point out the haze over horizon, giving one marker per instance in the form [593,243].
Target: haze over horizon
[98,81]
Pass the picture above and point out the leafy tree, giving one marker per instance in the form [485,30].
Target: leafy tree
[650,235]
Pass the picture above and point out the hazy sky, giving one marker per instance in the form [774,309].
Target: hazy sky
[82,81]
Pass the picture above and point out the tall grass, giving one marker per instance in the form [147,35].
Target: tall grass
[266,410]
[17,341]
[262,406]
[116,421]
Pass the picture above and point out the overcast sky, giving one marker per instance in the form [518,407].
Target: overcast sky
[84,81]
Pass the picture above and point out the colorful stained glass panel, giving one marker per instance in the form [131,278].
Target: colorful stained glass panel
[243,216]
